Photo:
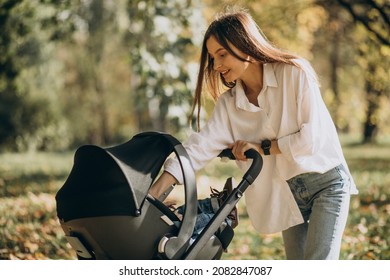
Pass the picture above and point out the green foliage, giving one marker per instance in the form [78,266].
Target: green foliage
[161,40]
[94,97]
[12,26]
[22,115]
[69,61]
[74,72]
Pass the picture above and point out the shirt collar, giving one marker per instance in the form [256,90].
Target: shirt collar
[269,80]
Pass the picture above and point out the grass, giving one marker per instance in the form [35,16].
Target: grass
[29,228]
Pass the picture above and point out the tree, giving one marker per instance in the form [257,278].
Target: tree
[374,15]
[85,94]
[161,38]
[374,55]
[376,65]
[95,75]
[21,116]
[10,98]
[348,43]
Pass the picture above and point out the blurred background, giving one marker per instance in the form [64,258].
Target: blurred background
[76,72]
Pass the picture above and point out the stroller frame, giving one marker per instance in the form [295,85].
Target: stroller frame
[170,242]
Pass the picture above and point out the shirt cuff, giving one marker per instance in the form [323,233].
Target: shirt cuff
[173,167]
[284,147]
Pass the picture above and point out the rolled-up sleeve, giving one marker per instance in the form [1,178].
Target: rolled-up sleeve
[309,137]
[205,145]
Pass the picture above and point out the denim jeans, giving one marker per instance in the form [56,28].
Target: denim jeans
[205,213]
[323,200]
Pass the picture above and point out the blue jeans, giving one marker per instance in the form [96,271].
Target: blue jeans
[324,203]
[205,213]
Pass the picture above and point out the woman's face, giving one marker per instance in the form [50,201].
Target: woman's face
[225,63]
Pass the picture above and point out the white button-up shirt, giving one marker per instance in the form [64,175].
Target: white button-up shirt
[290,110]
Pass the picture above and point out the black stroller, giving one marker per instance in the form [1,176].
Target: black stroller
[106,212]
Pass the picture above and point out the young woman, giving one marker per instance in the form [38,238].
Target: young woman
[273,105]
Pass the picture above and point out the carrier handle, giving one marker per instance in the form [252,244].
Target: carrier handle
[173,247]
[255,167]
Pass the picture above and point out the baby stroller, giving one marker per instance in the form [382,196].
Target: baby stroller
[106,212]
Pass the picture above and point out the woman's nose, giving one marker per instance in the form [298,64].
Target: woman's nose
[217,65]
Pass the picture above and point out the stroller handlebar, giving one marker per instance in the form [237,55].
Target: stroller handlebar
[255,167]
[219,217]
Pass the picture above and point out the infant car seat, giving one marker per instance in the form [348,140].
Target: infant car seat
[106,212]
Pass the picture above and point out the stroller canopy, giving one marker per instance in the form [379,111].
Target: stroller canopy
[113,181]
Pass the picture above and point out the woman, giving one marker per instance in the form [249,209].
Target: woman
[273,105]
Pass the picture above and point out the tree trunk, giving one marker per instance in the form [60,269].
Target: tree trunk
[334,82]
[370,125]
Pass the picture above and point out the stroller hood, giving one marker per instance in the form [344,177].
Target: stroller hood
[106,213]
[113,181]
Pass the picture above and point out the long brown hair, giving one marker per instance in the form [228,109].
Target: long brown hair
[240,30]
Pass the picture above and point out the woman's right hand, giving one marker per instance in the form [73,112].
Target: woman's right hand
[240,147]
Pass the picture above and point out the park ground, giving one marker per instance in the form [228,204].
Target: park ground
[29,228]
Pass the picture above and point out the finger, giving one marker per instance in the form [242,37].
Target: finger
[242,148]
[238,151]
